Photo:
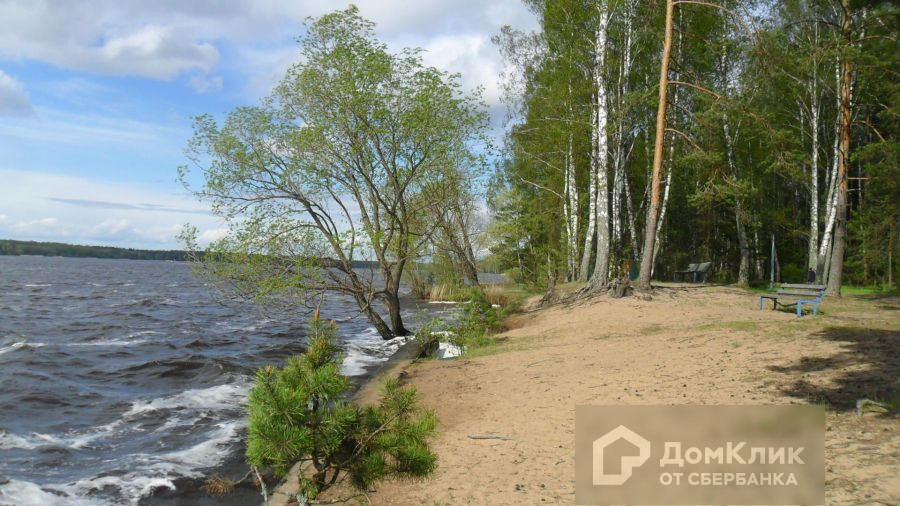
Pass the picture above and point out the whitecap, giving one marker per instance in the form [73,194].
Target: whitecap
[26,493]
[368,349]
[8,441]
[209,452]
[226,396]
[20,344]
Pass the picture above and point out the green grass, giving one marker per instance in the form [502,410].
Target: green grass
[748,326]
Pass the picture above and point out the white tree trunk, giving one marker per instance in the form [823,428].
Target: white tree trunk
[570,210]
[592,208]
[813,256]
[824,256]
[601,259]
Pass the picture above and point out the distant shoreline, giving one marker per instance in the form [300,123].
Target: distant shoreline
[10,247]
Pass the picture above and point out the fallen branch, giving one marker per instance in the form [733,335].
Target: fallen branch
[489,436]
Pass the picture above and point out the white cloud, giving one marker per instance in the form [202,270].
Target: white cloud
[166,38]
[86,211]
[211,235]
[57,126]
[204,84]
[13,99]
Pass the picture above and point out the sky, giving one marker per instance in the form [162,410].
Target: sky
[97,96]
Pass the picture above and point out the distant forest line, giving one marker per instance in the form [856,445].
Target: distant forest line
[58,249]
[11,247]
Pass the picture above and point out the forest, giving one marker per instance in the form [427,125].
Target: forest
[10,247]
[647,135]
[641,136]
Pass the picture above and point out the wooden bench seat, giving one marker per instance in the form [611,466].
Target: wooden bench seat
[798,294]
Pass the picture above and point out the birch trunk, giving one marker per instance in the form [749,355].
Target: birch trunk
[601,260]
[814,110]
[570,211]
[813,253]
[840,223]
[823,262]
[592,208]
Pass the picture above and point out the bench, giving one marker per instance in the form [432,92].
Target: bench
[800,294]
[695,271]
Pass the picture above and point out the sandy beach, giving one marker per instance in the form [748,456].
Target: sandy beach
[689,345]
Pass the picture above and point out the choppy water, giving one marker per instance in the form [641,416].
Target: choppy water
[121,380]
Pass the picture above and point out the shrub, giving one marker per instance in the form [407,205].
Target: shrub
[299,413]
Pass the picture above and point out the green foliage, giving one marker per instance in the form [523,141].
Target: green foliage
[354,148]
[766,71]
[299,413]
[477,321]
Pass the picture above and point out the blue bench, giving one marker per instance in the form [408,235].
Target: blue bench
[799,294]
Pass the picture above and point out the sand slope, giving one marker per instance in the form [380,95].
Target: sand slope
[703,345]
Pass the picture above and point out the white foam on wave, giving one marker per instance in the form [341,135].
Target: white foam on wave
[147,473]
[209,452]
[37,285]
[368,349]
[225,396]
[127,341]
[20,344]
[26,493]
[71,439]
[8,441]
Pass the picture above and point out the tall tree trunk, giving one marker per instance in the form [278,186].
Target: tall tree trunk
[813,252]
[840,223]
[670,165]
[592,208]
[470,266]
[601,258]
[653,208]
[619,152]
[665,202]
[392,299]
[570,210]
[823,262]
[743,243]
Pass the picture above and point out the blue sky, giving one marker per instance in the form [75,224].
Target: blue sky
[96,97]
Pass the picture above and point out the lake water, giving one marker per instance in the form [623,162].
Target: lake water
[123,381]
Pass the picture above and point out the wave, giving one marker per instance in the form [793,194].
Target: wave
[20,345]
[219,397]
[26,493]
[367,349]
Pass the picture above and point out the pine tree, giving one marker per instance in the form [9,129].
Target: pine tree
[300,413]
